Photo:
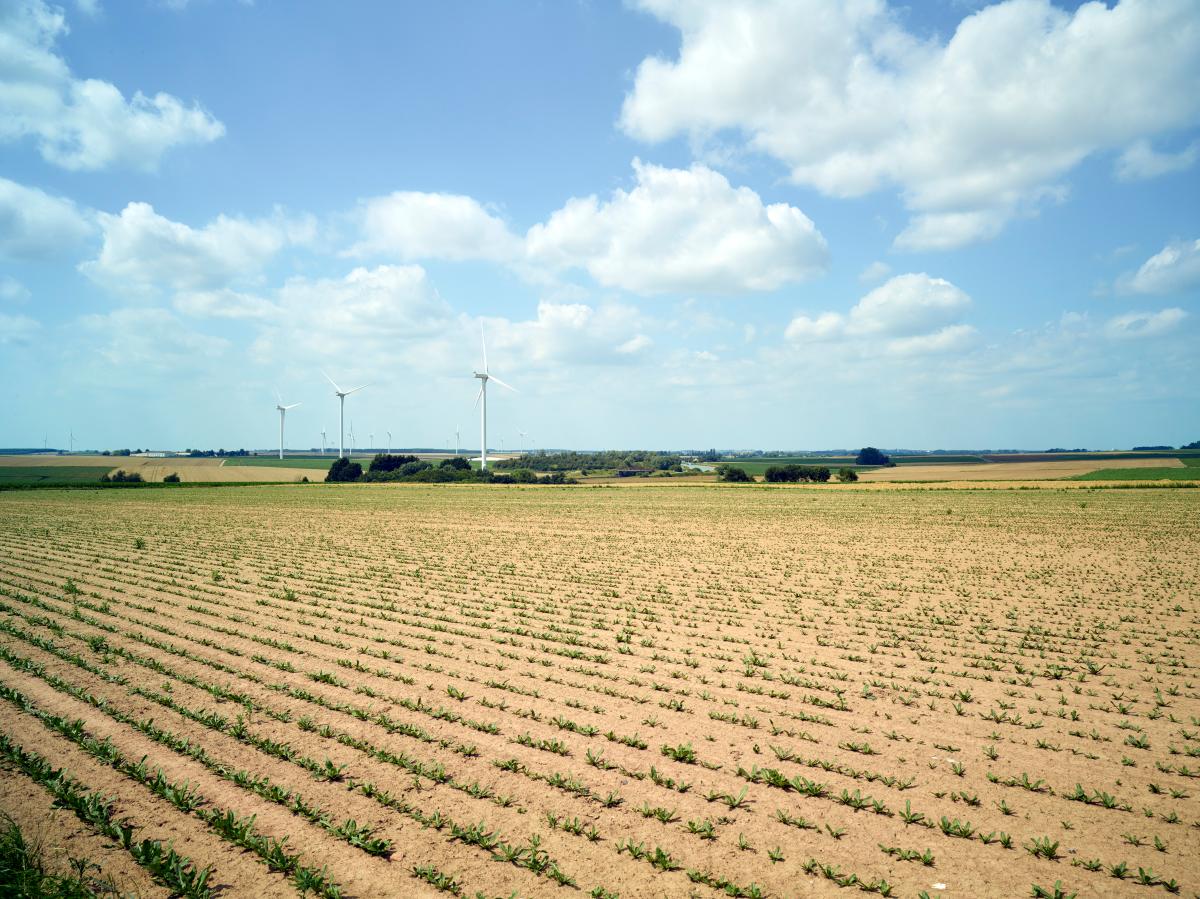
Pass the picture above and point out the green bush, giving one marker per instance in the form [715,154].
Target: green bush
[344,470]
[121,477]
[733,474]
[784,474]
[847,475]
[869,455]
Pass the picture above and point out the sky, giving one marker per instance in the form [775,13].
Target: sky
[777,225]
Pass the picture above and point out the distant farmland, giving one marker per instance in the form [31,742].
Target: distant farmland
[1190,472]
[320,462]
[760,464]
[43,474]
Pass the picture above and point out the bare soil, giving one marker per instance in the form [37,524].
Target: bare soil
[651,692]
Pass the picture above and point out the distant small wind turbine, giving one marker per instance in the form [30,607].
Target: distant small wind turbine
[341,395]
[523,436]
[71,444]
[351,438]
[322,441]
[389,445]
[371,440]
[456,440]
[484,376]
[282,412]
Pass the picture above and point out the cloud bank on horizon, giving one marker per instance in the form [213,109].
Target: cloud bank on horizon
[783,224]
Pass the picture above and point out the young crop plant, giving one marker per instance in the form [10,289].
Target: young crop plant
[682,753]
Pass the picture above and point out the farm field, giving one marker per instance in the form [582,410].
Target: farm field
[581,691]
[1022,471]
[291,461]
[758,466]
[33,474]
[1189,472]
[90,468]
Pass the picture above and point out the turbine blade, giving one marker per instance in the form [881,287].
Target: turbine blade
[501,383]
[292,406]
[483,343]
[478,396]
[331,381]
[356,389]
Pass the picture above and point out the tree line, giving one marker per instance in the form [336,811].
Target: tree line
[604,459]
[400,468]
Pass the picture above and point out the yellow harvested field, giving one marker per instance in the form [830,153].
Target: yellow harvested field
[582,691]
[1010,471]
[189,470]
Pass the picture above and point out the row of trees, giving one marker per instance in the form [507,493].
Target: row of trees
[572,461]
[385,468]
[121,477]
[792,474]
[209,454]
[785,474]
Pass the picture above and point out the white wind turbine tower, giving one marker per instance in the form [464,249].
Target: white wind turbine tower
[456,440]
[389,445]
[371,440]
[523,436]
[484,376]
[341,395]
[282,412]
[322,441]
[352,438]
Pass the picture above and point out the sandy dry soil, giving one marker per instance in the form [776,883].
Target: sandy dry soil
[1009,471]
[652,692]
[152,469]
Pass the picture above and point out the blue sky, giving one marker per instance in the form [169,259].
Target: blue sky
[681,224]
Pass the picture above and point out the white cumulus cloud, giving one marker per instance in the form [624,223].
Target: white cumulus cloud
[571,334]
[410,225]
[910,314]
[971,130]
[36,225]
[224,303]
[144,252]
[681,230]
[1140,160]
[1144,324]
[82,124]
[150,340]
[1174,268]
[908,305]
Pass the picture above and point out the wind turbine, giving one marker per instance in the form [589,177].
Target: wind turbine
[371,441]
[341,395]
[352,438]
[523,436]
[322,441]
[282,412]
[389,446]
[72,443]
[484,376]
[456,440]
